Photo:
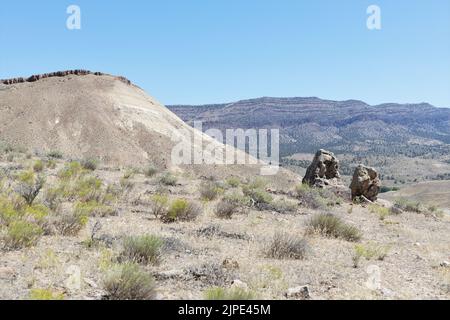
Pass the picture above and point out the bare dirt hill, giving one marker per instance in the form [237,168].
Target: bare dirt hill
[88,115]
[84,114]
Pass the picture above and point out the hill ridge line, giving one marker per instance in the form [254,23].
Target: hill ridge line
[77,72]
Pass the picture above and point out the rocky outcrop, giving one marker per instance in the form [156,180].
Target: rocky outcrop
[366,183]
[323,171]
[37,77]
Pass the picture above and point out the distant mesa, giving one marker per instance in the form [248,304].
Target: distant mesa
[77,72]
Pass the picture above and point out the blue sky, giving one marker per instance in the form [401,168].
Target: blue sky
[207,51]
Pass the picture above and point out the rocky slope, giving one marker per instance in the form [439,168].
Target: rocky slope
[307,123]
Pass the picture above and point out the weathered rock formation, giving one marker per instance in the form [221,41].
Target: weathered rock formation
[38,77]
[365,183]
[323,171]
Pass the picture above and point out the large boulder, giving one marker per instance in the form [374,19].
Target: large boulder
[323,171]
[365,183]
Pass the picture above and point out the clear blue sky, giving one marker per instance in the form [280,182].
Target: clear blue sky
[206,51]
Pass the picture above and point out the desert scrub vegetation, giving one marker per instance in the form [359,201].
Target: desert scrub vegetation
[21,224]
[409,206]
[150,171]
[233,294]
[416,207]
[233,182]
[142,249]
[159,205]
[29,185]
[225,209]
[286,246]
[181,210]
[255,191]
[45,294]
[89,164]
[55,154]
[283,206]
[94,208]
[50,164]
[369,251]
[128,281]
[168,179]
[382,212]
[210,190]
[238,199]
[21,234]
[38,166]
[316,198]
[70,171]
[68,223]
[332,226]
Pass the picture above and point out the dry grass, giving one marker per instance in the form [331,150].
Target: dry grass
[286,246]
[143,249]
[128,282]
[330,225]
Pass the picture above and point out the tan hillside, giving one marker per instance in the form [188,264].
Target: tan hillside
[431,193]
[97,116]
[88,115]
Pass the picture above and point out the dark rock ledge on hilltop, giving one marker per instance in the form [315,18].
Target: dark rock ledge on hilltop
[78,72]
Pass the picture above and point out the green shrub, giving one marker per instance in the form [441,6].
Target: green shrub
[381,211]
[409,206]
[70,171]
[36,211]
[94,209]
[55,154]
[237,199]
[130,173]
[286,246]
[38,166]
[385,189]
[29,186]
[128,282]
[87,189]
[284,206]
[45,294]
[69,223]
[369,252]
[209,190]
[159,205]
[168,179]
[331,226]
[53,198]
[233,294]
[21,233]
[127,184]
[8,212]
[257,183]
[257,196]
[89,164]
[150,171]
[181,210]
[225,209]
[142,249]
[233,182]
[315,198]
[51,164]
